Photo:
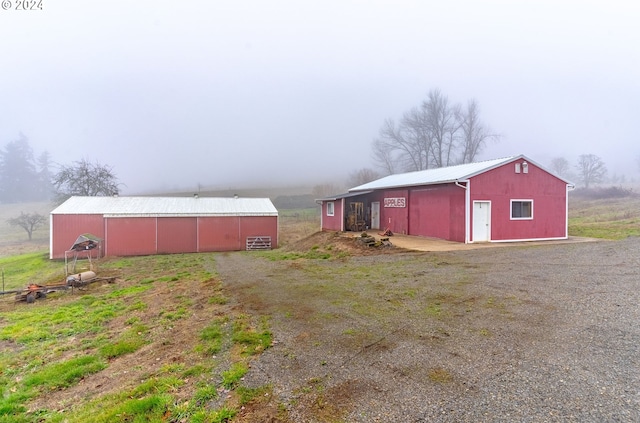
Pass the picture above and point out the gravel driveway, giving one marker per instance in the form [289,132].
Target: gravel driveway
[544,333]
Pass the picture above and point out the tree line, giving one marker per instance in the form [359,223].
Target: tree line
[27,178]
[437,133]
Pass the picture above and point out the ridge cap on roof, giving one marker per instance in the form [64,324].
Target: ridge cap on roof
[474,169]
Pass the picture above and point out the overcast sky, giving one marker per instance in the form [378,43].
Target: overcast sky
[230,93]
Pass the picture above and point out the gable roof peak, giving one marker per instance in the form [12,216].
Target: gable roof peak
[436,175]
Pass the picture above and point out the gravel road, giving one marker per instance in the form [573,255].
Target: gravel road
[546,333]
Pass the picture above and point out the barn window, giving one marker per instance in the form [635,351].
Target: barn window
[521,209]
[330,208]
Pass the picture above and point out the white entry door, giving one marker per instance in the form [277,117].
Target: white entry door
[375,215]
[481,221]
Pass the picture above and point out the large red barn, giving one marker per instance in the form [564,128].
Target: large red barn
[508,199]
[130,226]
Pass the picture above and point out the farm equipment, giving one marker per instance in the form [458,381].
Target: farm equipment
[84,245]
[355,217]
[34,291]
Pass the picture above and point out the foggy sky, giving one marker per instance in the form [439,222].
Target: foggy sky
[235,93]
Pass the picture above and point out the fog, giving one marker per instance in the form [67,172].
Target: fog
[221,94]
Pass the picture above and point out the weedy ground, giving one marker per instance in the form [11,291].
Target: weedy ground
[173,339]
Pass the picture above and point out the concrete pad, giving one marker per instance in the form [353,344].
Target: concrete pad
[419,243]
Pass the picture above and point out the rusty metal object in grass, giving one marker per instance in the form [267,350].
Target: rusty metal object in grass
[35,291]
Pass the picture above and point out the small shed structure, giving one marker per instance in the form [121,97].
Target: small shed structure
[130,226]
[506,199]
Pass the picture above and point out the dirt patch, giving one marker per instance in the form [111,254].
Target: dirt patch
[449,336]
[347,242]
[385,334]
[169,341]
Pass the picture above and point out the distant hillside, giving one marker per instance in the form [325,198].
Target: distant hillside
[282,197]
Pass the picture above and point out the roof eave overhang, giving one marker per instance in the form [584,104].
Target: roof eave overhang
[124,215]
[417,184]
[341,196]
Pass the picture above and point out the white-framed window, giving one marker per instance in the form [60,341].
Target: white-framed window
[521,209]
[330,208]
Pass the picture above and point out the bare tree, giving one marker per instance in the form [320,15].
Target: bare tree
[402,146]
[383,156]
[591,169]
[435,134]
[474,133]
[442,127]
[362,176]
[560,166]
[28,221]
[85,179]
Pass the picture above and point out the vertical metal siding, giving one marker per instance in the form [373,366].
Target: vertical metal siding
[548,193]
[335,222]
[177,235]
[251,226]
[395,218]
[219,234]
[433,212]
[65,229]
[131,236]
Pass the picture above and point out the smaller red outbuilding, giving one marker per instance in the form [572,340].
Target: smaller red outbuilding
[507,199]
[130,226]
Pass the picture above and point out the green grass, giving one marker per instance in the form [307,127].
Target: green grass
[51,345]
[212,338]
[56,342]
[23,269]
[232,376]
[63,374]
[128,342]
[609,219]
[313,254]
[252,341]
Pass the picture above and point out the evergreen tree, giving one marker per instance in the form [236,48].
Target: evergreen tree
[19,180]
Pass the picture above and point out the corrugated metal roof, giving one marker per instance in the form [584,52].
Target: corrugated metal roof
[167,206]
[340,196]
[434,176]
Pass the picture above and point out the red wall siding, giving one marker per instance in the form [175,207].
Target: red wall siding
[130,236]
[65,229]
[457,211]
[332,223]
[219,234]
[177,235]
[230,233]
[501,185]
[395,218]
[251,226]
[437,211]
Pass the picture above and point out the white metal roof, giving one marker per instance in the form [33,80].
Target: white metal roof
[167,206]
[434,176]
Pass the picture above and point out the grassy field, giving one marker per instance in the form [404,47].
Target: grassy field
[163,343]
[615,218]
[16,236]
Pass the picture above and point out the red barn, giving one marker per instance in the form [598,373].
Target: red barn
[508,199]
[130,226]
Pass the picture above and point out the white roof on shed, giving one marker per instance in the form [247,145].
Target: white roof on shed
[439,175]
[167,206]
